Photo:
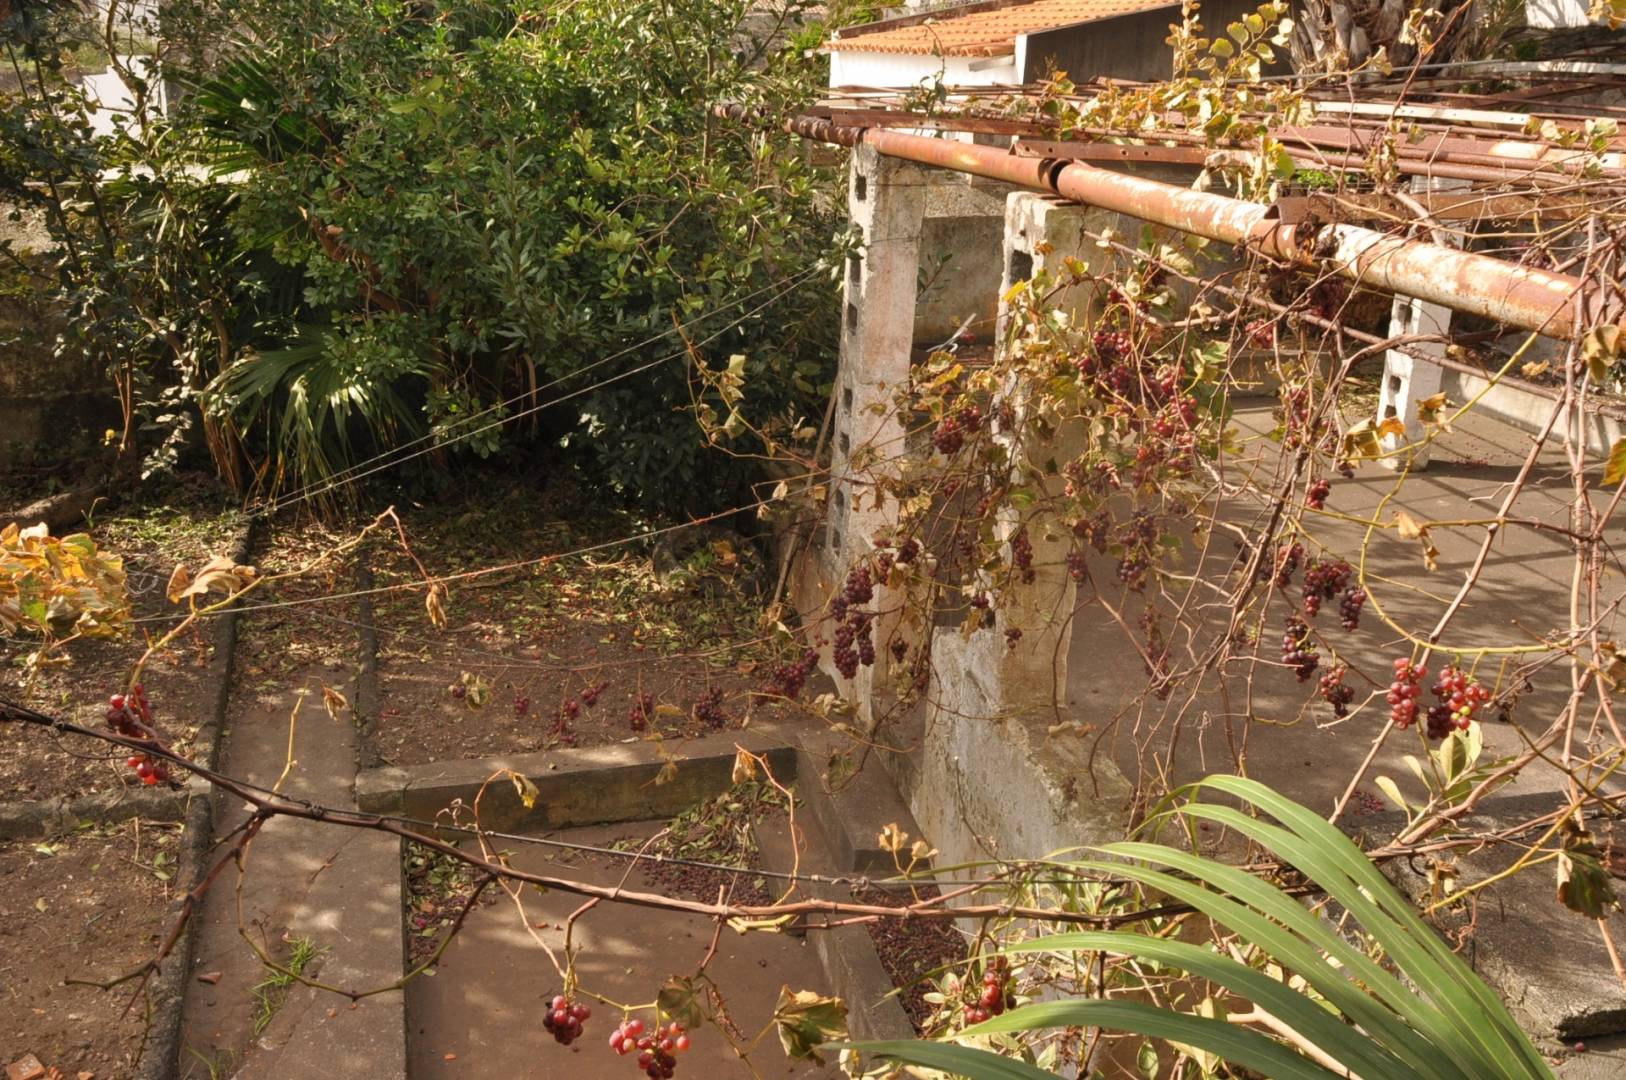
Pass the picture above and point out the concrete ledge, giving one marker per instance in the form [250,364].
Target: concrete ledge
[857,977]
[1548,963]
[591,786]
[852,817]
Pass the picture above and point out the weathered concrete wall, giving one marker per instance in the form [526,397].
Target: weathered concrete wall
[983,776]
[50,408]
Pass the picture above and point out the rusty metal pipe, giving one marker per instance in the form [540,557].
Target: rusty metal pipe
[1519,296]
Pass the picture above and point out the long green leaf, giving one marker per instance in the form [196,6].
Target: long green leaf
[950,1058]
[1485,1011]
[1472,1026]
[1237,1045]
[1323,1029]
[1298,939]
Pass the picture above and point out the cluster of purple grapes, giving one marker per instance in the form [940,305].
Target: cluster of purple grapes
[1286,564]
[995,996]
[1298,651]
[1349,608]
[641,711]
[1317,497]
[571,711]
[1138,538]
[1335,692]
[708,709]
[853,643]
[564,1019]
[788,679]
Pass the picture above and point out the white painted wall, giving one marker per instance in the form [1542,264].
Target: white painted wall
[852,68]
[1552,14]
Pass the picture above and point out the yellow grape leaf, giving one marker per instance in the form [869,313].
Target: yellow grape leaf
[1614,471]
[1428,409]
[806,1021]
[435,605]
[1408,526]
[669,710]
[526,790]
[1533,369]
[1600,348]
[1392,426]
[892,838]
[334,701]
[220,574]
[745,767]
[179,581]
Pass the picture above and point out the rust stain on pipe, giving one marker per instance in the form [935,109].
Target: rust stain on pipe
[1520,296]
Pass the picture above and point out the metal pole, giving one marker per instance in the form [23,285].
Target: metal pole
[1518,296]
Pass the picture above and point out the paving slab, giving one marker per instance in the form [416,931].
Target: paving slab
[339,888]
[627,781]
[479,1014]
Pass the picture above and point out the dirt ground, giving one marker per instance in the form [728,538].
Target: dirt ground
[91,906]
[191,524]
[587,650]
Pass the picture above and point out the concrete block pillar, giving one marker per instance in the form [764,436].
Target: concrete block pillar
[1409,377]
[886,199]
[1041,234]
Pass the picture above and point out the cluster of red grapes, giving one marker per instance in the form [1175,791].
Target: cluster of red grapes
[995,995]
[1261,332]
[950,435]
[522,705]
[789,679]
[131,716]
[1138,537]
[1328,295]
[1333,690]
[1022,556]
[1402,695]
[564,1019]
[1323,581]
[1317,498]
[1460,696]
[1284,566]
[1298,651]
[656,1047]
[641,711]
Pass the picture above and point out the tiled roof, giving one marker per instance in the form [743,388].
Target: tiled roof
[984,31]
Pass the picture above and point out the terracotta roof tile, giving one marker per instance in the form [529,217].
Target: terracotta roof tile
[987,32]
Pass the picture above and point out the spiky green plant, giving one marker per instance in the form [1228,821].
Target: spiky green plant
[1422,1013]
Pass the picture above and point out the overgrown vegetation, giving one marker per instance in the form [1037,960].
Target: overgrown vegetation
[361,226]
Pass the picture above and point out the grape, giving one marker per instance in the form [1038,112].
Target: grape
[1333,690]
[1323,581]
[656,1046]
[564,1018]
[1349,608]
[1298,651]
[1402,695]
[1318,494]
